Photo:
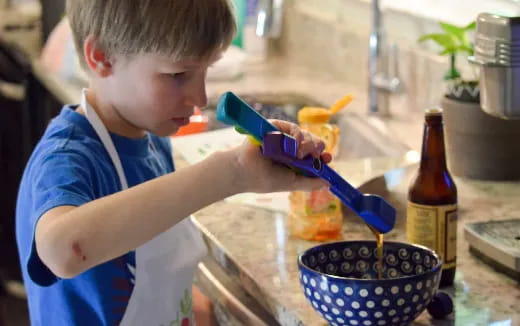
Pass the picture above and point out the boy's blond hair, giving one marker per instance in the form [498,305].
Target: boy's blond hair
[183,29]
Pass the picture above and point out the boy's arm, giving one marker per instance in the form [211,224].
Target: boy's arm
[70,240]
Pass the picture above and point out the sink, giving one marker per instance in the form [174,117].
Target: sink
[358,139]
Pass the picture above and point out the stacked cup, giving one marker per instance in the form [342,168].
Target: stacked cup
[497,52]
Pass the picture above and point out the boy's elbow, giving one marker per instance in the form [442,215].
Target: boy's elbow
[64,269]
[62,263]
[61,254]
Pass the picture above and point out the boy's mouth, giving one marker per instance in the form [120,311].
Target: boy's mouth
[181,121]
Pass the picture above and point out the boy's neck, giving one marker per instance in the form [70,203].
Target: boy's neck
[111,118]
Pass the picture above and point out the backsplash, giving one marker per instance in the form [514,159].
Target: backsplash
[334,38]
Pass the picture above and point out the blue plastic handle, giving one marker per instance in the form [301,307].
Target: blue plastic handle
[233,111]
[282,148]
[374,210]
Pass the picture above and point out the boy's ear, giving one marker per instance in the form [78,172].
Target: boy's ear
[96,58]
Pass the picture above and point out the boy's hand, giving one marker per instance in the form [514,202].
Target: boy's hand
[259,174]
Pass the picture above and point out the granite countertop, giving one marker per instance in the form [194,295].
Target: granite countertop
[253,245]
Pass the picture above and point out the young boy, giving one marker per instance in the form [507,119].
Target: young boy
[101,219]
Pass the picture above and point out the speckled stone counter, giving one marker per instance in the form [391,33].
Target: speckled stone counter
[253,245]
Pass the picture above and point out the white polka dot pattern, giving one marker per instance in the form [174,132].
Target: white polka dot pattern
[349,301]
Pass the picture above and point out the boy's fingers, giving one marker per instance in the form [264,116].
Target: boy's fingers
[319,147]
[306,146]
[307,142]
[311,145]
[297,134]
[285,126]
[326,157]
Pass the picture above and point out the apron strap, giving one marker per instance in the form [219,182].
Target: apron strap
[103,134]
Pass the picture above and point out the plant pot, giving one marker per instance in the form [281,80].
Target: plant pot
[463,90]
[478,145]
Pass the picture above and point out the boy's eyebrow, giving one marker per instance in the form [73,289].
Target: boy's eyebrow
[195,65]
[189,65]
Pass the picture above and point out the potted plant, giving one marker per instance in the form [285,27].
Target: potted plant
[455,41]
[478,146]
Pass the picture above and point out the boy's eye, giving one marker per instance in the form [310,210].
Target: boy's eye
[178,75]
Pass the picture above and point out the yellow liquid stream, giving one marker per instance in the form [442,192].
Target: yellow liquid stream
[379,241]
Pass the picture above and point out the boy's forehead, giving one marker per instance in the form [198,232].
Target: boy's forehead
[189,63]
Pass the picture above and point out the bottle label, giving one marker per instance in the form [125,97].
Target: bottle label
[434,227]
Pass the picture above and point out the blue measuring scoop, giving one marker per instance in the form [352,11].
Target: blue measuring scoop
[283,148]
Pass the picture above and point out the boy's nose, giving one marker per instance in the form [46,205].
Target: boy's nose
[197,96]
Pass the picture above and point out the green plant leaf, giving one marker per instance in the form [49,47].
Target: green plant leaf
[467,49]
[471,26]
[455,31]
[454,41]
[447,42]
[449,51]
[467,46]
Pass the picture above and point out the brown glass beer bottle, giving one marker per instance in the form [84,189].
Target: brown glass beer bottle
[432,199]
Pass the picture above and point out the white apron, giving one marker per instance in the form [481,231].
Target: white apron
[164,266]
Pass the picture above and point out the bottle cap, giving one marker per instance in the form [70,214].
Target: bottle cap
[433,112]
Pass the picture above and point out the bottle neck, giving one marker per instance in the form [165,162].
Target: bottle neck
[433,157]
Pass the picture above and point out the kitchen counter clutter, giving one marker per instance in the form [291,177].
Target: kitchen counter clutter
[251,245]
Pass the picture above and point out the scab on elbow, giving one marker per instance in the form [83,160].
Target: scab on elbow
[75,261]
[70,264]
[78,252]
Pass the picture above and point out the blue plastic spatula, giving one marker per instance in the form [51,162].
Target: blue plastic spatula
[282,148]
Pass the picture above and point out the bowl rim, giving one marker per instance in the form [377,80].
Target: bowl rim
[434,269]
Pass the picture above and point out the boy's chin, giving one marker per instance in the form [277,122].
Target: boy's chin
[166,132]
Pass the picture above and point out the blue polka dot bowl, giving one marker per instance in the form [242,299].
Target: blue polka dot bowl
[341,282]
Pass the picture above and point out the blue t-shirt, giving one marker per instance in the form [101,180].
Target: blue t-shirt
[71,167]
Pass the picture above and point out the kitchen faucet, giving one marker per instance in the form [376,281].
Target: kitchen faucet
[269,18]
[383,66]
